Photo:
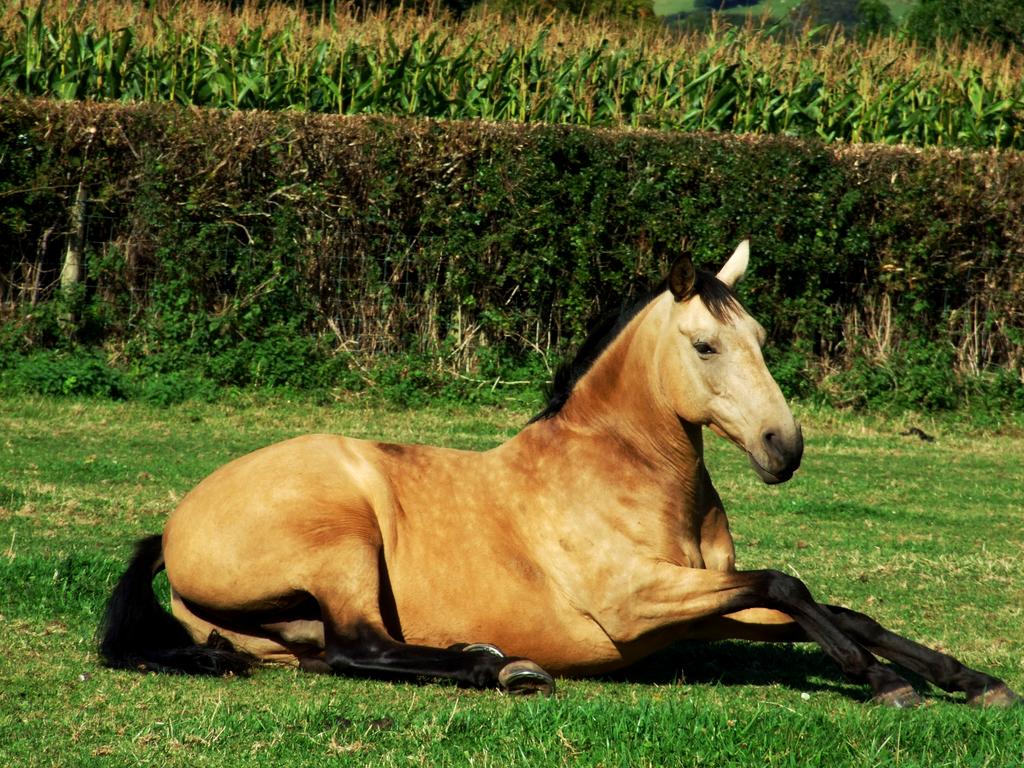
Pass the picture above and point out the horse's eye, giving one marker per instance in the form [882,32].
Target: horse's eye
[703,348]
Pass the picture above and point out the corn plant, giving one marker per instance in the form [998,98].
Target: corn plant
[742,80]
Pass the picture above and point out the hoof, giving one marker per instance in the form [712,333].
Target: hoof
[998,696]
[525,677]
[486,648]
[900,698]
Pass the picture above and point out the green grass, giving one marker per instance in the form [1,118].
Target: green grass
[928,537]
[776,8]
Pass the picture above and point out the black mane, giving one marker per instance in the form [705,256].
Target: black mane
[716,295]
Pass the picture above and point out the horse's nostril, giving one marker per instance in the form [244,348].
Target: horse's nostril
[775,447]
[782,450]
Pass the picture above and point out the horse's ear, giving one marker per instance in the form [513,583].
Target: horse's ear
[681,277]
[736,266]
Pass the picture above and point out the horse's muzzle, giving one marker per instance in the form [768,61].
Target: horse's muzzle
[778,456]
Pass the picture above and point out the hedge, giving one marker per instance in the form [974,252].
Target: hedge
[257,242]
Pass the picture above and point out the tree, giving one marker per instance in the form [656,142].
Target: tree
[723,5]
[828,12]
[873,18]
[997,21]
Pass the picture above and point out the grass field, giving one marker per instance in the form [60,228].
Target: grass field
[928,537]
[775,8]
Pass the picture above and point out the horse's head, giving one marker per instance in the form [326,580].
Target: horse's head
[714,373]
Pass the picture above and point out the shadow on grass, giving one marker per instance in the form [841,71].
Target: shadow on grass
[800,667]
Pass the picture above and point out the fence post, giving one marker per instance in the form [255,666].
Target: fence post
[72,270]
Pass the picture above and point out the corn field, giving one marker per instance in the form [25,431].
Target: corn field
[486,67]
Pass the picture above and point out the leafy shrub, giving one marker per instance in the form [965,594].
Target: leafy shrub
[918,375]
[167,389]
[792,369]
[237,252]
[406,380]
[59,373]
[994,393]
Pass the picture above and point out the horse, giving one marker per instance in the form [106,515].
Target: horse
[589,540]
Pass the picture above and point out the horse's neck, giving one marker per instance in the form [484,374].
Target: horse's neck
[618,464]
[621,396]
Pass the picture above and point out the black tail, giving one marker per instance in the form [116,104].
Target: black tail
[138,633]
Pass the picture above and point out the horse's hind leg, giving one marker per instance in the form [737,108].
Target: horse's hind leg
[256,641]
[356,641]
[366,651]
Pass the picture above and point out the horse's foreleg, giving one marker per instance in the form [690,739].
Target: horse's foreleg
[773,589]
[760,624]
[848,636]
[694,599]
[936,667]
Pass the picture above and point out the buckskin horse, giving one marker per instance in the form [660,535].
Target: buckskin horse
[591,539]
